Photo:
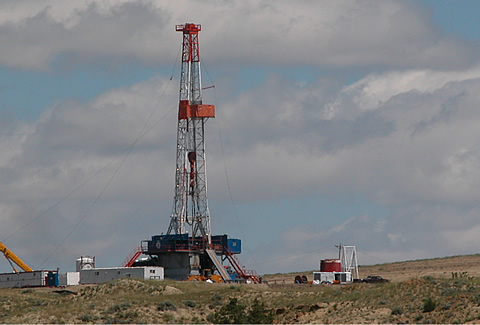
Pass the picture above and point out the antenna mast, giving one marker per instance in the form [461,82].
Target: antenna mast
[348,259]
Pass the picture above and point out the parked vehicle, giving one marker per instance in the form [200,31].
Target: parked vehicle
[375,279]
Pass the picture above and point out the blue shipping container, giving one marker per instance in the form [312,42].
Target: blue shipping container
[234,245]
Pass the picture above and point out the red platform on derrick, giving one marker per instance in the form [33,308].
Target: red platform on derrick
[187,110]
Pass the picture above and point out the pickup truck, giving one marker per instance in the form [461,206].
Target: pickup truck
[374,279]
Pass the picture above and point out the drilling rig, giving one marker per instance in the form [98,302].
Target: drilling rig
[188,247]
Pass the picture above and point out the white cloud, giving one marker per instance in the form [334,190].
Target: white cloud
[419,161]
[340,33]
[419,143]
[373,91]
[405,140]
[121,31]
[463,239]
[71,167]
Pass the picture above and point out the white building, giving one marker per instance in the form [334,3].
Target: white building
[332,277]
[69,279]
[100,275]
[29,279]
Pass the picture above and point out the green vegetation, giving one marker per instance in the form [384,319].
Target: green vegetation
[166,305]
[429,305]
[237,313]
[420,300]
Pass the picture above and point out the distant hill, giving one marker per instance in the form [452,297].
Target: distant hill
[442,267]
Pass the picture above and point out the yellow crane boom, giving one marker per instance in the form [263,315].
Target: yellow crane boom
[11,257]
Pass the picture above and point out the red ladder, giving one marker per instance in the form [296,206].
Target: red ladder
[245,274]
[132,257]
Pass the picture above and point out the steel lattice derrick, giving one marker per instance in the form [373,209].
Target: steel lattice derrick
[190,202]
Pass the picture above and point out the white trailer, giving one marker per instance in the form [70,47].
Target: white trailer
[29,279]
[100,275]
[332,277]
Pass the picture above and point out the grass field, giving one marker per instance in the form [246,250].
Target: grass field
[429,291]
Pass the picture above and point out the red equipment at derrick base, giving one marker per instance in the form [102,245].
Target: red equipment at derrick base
[188,248]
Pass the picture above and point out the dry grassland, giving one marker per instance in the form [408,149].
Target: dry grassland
[443,290]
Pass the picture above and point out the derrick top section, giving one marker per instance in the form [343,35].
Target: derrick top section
[188,28]
[191,106]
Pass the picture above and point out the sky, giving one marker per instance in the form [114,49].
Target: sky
[337,122]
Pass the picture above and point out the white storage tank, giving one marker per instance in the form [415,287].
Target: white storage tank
[85,263]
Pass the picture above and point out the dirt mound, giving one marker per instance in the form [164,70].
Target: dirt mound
[169,290]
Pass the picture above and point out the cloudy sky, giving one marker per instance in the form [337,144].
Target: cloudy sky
[353,122]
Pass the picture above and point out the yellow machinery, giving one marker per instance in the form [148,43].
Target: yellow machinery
[11,257]
[206,275]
